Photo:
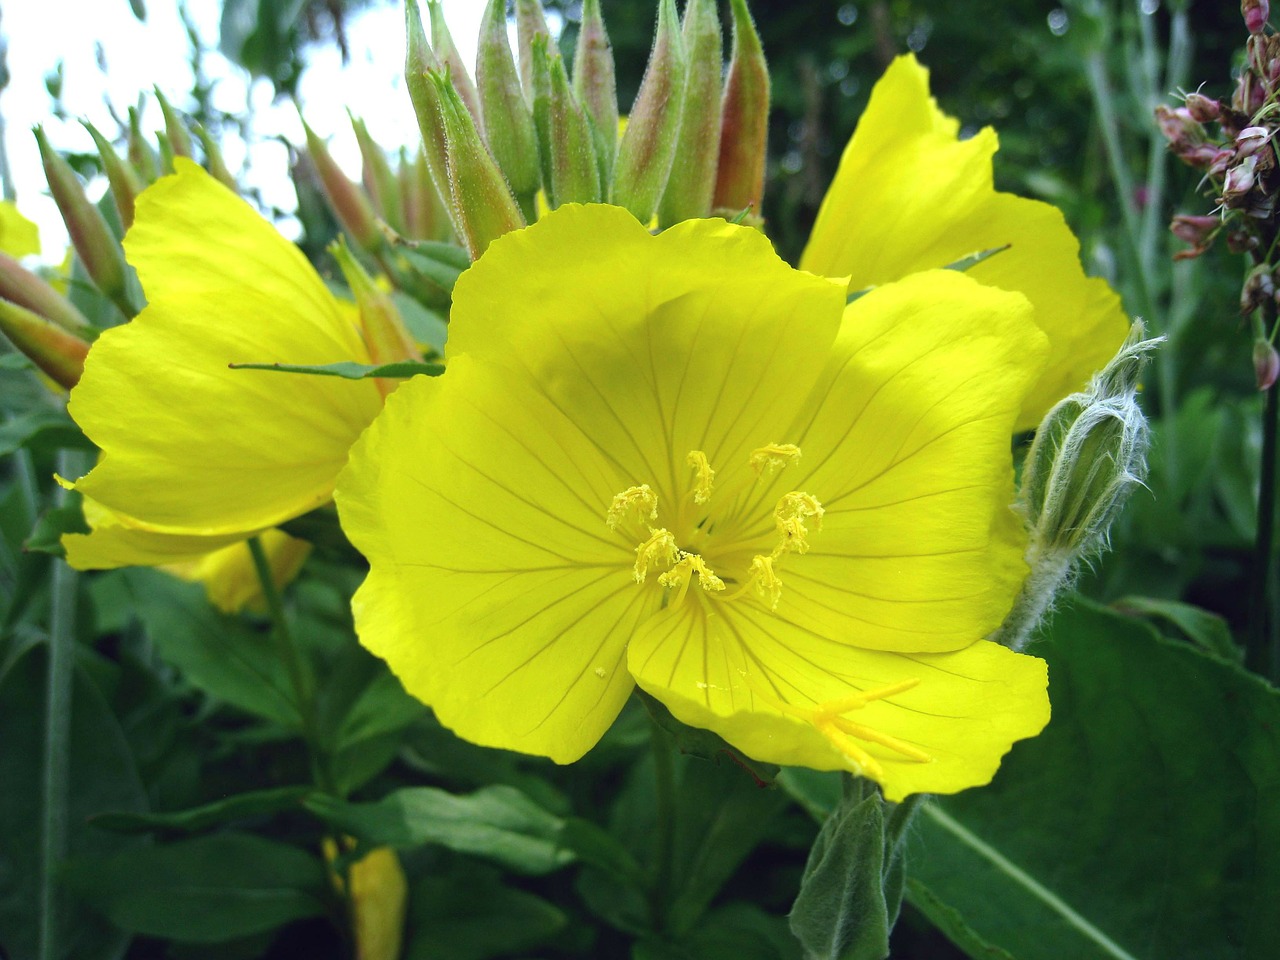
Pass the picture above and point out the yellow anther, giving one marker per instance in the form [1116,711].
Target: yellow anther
[703,475]
[773,456]
[642,499]
[659,550]
[766,582]
[686,567]
[790,514]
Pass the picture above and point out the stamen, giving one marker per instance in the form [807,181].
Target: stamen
[790,514]
[859,759]
[703,475]
[659,549]
[767,583]
[641,498]
[860,700]
[773,456]
[684,569]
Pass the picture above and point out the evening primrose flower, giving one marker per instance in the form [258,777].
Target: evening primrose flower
[910,195]
[676,462]
[197,456]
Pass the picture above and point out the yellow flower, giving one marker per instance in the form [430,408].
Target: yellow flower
[676,461]
[190,448]
[910,195]
[19,237]
[230,578]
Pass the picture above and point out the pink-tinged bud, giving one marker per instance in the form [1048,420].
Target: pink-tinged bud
[1197,231]
[141,154]
[531,21]
[419,60]
[95,244]
[1240,180]
[1251,140]
[482,204]
[1266,364]
[381,325]
[691,186]
[447,53]
[348,200]
[59,354]
[19,285]
[123,179]
[1259,288]
[1178,126]
[1216,161]
[213,159]
[1256,13]
[379,181]
[174,128]
[744,119]
[595,84]
[570,172]
[648,145]
[1202,108]
[508,124]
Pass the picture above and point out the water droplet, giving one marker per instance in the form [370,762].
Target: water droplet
[1058,22]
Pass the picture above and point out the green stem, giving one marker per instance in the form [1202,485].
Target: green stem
[665,837]
[57,740]
[1262,639]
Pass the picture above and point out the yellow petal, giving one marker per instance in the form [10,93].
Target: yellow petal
[762,682]
[909,195]
[117,540]
[907,448]
[190,446]
[230,577]
[19,237]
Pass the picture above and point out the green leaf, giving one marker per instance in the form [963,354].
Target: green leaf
[498,822]
[737,931]
[53,523]
[41,428]
[216,653]
[204,890]
[103,776]
[1199,626]
[950,922]
[426,326]
[1140,825]
[350,370]
[255,803]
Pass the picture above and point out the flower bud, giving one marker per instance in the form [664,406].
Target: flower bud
[531,21]
[1266,364]
[596,87]
[744,119]
[141,154]
[1240,180]
[1256,14]
[447,53]
[570,171]
[19,285]
[1242,241]
[508,123]
[381,325]
[482,204]
[648,146]
[1203,109]
[379,182]
[123,179]
[349,202]
[1259,288]
[214,160]
[59,354]
[95,244]
[1251,140]
[174,128]
[419,60]
[1195,230]
[691,186]
[1178,126]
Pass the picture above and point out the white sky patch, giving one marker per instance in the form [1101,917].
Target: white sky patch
[138,56]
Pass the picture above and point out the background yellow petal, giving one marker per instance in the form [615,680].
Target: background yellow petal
[230,578]
[496,592]
[19,237]
[909,196]
[117,540]
[727,667]
[190,446]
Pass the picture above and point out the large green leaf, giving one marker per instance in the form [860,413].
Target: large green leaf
[1141,824]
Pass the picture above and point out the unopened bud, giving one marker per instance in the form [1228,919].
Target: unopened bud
[1259,288]
[482,204]
[420,60]
[596,87]
[1202,108]
[648,145]
[1242,241]
[59,354]
[376,175]
[1178,126]
[1266,364]
[141,154]
[214,160]
[691,186]
[564,133]
[1256,13]
[447,53]
[1240,180]
[19,285]
[348,200]
[1251,140]
[508,123]
[744,119]
[123,179]
[531,21]
[383,329]
[174,128]
[1194,229]
[95,244]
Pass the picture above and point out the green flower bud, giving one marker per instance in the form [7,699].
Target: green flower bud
[349,202]
[1088,455]
[123,179]
[648,145]
[214,160]
[693,177]
[141,154]
[22,287]
[379,182]
[55,351]
[564,132]
[531,21]
[447,54]
[508,123]
[174,128]
[482,204]
[596,87]
[744,120]
[381,325]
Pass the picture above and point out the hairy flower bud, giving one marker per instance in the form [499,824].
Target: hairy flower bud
[419,60]
[174,128]
[21,286]
[1240,180]
[214,160]
[744,119]
[531,22]
[379,181]
[595,85]
[447,53]
[1266,364]
[348,200]
[59,354]
[123,179]
[1251,140]
[571,172]
[1203,109]
[1178,126]
[508,123]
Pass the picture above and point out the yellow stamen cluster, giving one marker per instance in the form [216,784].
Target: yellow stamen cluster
[685,568]
[703,475]
[789,515]
[642,499]
[767,583]
[773,457]
[659,550]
